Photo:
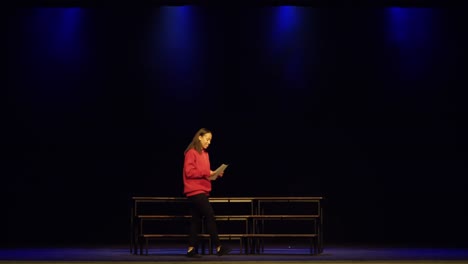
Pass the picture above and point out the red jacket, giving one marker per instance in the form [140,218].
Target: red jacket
[196,173]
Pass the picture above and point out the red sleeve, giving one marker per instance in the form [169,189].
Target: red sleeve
[195,168]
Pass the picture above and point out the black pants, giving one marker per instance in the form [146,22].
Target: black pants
[201,207]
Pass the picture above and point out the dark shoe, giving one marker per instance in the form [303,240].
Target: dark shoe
[193,254]
[223,251]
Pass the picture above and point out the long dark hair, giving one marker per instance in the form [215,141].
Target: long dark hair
[196,142]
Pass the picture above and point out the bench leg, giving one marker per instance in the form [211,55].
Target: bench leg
[210,246]
[140,246]
[312,245]
[146,246]
[240,245]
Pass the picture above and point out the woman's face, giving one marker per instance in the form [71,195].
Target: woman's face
[205,140]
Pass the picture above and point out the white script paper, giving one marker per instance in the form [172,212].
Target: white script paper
[218,171]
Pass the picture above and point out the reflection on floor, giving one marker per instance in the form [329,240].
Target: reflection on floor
[273,253]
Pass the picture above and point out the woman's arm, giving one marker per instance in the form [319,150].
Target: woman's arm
[192,168]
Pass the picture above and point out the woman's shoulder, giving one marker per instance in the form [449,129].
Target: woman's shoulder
[192,151]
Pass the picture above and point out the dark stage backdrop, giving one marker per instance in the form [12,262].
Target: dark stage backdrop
[366,107]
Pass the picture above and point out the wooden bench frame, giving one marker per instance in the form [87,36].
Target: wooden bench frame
[249,242]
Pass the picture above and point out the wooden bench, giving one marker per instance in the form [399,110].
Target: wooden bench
[251,240]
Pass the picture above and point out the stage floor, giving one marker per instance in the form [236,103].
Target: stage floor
[273,253]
